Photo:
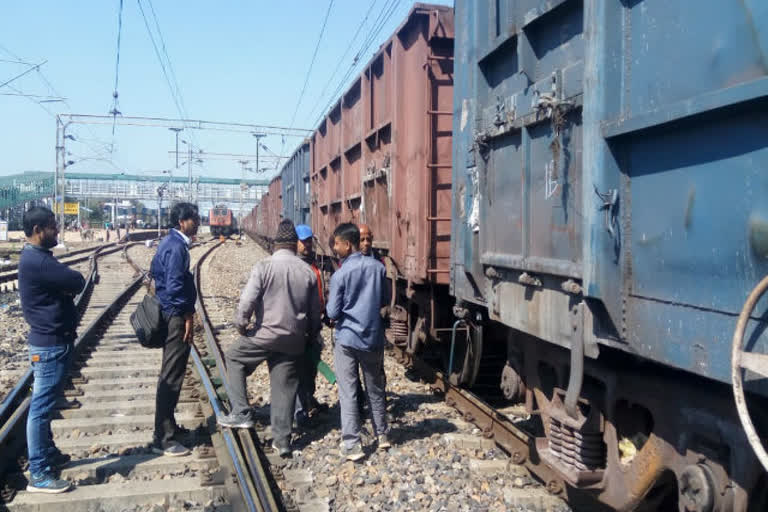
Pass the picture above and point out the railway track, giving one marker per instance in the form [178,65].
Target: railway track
[208,358]
[9,276]
[106,418]
[504,429]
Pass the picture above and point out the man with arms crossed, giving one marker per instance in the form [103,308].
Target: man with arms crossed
[47,290]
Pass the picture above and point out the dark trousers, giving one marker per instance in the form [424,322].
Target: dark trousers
[361,394]
[242,359]
[305,397]
[348,363]
[175,357]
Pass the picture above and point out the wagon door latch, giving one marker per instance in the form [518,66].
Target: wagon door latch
[610,207]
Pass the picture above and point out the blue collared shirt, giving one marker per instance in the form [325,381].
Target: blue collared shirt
[358,291]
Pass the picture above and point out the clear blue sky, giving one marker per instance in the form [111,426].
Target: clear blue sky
[234,61]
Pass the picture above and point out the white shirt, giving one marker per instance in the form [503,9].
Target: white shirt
[183,236]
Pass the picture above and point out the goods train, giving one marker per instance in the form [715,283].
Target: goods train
[222,221]
[577,190]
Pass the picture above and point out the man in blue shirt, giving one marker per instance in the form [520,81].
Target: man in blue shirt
[47,290]
[358,291]
[175,290]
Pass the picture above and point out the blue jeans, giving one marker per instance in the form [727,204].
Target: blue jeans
[50,365]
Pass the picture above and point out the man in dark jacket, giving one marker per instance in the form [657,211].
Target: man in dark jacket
[175,289]
[47,289]
[305,398]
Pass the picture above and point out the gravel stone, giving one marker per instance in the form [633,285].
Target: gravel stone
[428,466]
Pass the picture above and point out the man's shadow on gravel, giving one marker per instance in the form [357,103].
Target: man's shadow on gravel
[319,427]
[399,405]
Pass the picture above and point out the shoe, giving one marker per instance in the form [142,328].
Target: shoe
[47,483]
[354,454]
[384,442]
[235,421]
[171,449]
[301,420]
[59,460]
[181,432]
[283,451]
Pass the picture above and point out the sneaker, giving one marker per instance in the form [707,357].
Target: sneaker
[282,450]
[354,454]
[48,484]
[235,421]
[171,449]
[384,442]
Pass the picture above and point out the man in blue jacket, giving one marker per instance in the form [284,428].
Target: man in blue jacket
[175,290]
[47,289]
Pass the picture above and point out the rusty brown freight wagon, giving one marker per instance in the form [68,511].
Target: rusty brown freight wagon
[261,223]
[382,156]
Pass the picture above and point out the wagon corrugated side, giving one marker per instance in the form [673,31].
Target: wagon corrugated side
[382,155]
[610,198]
[295,185]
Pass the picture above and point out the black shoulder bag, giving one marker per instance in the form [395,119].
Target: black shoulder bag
[148,322]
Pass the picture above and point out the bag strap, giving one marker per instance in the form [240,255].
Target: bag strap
[149,282]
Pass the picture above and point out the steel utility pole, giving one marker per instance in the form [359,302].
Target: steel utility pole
[242,186]
[59,188]
[177,130]
[258,137]
[189,178]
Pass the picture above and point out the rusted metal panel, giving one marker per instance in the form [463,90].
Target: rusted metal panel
[601,143]
[393,170]
[352,121]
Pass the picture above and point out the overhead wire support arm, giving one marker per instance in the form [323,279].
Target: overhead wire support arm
[33,68]
[195,124]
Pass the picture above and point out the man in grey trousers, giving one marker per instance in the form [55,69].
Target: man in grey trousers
[282,294]
[358,291]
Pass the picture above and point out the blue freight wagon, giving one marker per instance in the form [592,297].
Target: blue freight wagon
[610,218]
[295,183]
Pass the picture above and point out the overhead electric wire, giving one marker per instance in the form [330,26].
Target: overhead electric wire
[115,103]
[26,72]
[52,89]
[312,62]
[44,98]
[175,95]
[168,59]
[172,71]
[382,21]
[341,60]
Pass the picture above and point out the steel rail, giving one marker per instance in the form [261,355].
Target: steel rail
[519,444]
[239,458]
[81,302]
[248,441]
[13,414]
[236,455]
[7,405]
[11,272]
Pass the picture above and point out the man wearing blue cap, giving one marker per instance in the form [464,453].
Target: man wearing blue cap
[305,398]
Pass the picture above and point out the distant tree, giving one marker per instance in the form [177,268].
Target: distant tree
[97,214]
